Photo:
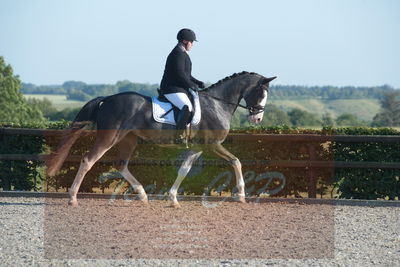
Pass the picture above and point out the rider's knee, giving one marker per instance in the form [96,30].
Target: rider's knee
[185,108]
[188,107]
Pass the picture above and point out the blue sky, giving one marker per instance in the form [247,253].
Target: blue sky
[303,42]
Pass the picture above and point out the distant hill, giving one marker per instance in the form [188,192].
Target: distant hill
[360,101]
[292,92]
[281,92]
[364,108]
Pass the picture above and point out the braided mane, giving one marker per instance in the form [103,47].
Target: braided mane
[229,78]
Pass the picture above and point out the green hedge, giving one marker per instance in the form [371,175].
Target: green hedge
[20,175]
[23,175]
[367,183]
[156,168]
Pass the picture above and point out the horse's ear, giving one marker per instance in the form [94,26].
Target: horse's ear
[267,80]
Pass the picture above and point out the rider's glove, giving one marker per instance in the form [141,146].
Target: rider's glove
[195,87]
[201,85]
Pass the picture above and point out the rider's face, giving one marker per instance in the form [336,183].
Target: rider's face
[188,45]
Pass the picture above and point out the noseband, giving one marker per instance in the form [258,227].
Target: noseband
[255,109]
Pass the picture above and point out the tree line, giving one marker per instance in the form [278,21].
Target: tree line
[76,90]
[328,92]
[389,116]
[14,108]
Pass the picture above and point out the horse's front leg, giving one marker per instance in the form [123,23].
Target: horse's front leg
[182,172]
[236,165]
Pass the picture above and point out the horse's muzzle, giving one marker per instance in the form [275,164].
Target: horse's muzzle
[256,118]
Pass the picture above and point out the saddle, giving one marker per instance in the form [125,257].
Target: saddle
[165,112]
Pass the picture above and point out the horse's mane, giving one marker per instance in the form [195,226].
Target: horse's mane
[229,78]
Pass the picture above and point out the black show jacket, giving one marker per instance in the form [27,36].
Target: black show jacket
[177,76]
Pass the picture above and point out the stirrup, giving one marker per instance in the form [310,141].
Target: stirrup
[182,139]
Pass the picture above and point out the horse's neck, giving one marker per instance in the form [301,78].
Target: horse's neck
[231,92]
[226,96]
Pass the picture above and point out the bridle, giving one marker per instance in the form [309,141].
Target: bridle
[253,110]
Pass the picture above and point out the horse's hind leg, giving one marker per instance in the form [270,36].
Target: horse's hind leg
[105,139]
[125,148]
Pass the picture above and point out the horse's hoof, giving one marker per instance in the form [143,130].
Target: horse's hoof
[176,205]
[145,201]
[242,199]
[73,203]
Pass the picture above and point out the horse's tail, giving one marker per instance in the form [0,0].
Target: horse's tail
[85,117]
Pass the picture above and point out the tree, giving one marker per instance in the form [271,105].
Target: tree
[300,117]
[390,111]
[348,119]
[78,95]
[44,105]
[13,107]
[327,120]
[240,119]
[124,86]
[69,85]
[67,114]
[274,116]
[141,88]
[17,175]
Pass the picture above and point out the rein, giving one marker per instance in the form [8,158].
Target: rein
[224,101]
[254,110]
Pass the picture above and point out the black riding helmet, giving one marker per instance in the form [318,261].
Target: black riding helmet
[186,34]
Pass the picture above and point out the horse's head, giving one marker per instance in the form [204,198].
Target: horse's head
[256,99]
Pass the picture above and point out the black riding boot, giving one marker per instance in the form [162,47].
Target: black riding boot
[181,122]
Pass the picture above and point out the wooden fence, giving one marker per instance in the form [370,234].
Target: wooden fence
[311,164]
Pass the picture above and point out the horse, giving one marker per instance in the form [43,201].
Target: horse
[125,118]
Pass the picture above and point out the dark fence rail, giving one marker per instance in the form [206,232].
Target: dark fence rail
[246,137]
[311,163]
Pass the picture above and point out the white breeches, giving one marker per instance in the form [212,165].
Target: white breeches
[179,100]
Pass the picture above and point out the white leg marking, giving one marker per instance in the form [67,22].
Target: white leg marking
[237,166]
[73,190]
[85,166]
[183,171]
[137,187]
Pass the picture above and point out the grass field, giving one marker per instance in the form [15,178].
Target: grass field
[60,102]
[364,109]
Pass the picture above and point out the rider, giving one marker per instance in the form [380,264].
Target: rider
[177,78]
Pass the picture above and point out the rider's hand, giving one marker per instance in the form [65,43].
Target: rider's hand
[201,85]
[195,87]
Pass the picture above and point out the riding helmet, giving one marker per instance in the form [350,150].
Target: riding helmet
[186,34]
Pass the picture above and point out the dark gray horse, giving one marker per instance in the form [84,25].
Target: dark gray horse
[123,118]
